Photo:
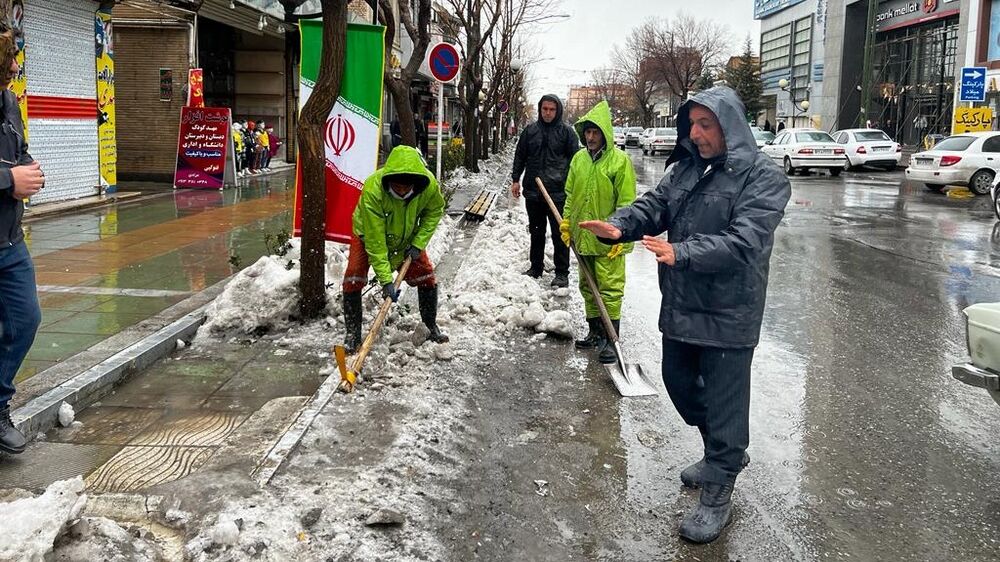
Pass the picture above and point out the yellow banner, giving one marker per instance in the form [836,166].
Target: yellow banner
[971,119]
[106,138]
[19,85]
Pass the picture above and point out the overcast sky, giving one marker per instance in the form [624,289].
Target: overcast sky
[583,41]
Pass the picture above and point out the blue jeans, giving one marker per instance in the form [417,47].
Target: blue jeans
[20,314]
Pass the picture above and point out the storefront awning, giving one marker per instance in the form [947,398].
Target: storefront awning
[245,17]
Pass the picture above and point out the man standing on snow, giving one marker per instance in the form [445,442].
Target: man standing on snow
[544,150]
[399,209]
[720,204]
[20,178]
[601,180]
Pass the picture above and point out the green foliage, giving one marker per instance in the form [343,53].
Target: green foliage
[278,243]
[744,77]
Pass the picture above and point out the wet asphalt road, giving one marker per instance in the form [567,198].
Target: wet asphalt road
[864,447]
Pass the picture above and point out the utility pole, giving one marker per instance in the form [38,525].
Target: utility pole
[869,64]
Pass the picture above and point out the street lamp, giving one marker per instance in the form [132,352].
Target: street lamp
[784,85]
[516,65]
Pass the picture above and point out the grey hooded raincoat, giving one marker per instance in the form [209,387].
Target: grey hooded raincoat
[720,217]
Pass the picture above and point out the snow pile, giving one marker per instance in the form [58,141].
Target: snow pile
[31,525]
[66,414]
[98,538]
[265,296]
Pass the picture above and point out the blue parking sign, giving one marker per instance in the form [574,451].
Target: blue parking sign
[973,85]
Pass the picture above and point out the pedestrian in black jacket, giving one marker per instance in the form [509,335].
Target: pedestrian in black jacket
[720,204]
[20,178]
[544,151]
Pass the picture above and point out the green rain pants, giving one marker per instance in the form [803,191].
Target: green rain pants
[610,277]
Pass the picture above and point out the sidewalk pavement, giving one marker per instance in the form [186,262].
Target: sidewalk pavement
[109,276]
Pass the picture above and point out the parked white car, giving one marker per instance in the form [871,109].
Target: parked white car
[620,137]
[982,338]
[662,140]
[761,136]
[969,159]
[632,136]
[805,149]
[868,147]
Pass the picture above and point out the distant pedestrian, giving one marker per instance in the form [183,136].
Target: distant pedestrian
[274,143]
[781,126]
[544,150]
[20,178]
[767,126]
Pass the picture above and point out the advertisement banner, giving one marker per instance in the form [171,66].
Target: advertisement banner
[205,158]
[19,85]
[196,88]
[351,135]
[106,137]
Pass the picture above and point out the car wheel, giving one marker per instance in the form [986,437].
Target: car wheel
[645,152]
[981,181]
[934,187]
[835,171]
[789,169]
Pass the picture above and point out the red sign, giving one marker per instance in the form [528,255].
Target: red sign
[444,62]
[203,147]
[196,88]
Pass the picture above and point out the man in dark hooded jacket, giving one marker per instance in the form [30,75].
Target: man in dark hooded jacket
[720,203]
[544,150]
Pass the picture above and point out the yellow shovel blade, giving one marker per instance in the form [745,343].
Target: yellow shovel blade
[347,378]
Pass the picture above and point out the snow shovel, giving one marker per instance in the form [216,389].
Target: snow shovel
[629,379]
[349,377]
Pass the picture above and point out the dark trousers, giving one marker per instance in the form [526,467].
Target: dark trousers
[539,215]
[710,387]
[19,314]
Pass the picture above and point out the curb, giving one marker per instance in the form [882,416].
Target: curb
[68,207]
[41,413]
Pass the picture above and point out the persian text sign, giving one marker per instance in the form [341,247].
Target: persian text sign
[972,119]
[106,136]
[203,147]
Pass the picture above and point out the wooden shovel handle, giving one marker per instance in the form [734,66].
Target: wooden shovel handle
[359,359]
[587,274]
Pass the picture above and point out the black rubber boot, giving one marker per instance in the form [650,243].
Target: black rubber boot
[11,439]
[427,299]
[714,511]
[561,280]
[608,354]
[693,476]
[352,321]
[532,272]
[595,337]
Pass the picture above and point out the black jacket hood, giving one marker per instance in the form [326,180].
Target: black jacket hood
[559,109]
[741,148]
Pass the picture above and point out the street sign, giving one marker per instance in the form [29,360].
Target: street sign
[443,62]
[972,119]
[503,106]
[973,86]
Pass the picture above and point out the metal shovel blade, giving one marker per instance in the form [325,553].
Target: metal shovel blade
[629,379]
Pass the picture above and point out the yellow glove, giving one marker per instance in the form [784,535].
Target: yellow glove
[564,231]
[616,251]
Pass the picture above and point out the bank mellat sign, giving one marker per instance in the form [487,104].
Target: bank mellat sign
[895,14]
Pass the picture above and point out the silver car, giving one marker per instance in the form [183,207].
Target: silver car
[662,140]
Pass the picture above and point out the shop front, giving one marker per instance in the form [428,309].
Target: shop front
[915,62]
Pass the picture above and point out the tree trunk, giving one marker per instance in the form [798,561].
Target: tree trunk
[404,111]
[311,126]
[291,102]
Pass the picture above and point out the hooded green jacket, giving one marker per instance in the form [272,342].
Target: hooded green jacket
[387,225]
[595,189]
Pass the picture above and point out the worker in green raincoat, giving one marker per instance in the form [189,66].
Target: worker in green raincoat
[399,209]
[601,180]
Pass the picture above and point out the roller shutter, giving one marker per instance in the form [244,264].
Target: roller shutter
[62,96]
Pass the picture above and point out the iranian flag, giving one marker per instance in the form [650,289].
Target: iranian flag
[353,128]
